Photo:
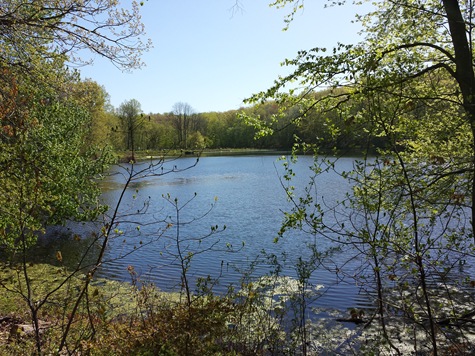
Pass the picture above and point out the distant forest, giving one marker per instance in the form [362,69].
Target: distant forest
[183,128]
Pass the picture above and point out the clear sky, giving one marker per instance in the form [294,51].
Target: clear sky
[212,58]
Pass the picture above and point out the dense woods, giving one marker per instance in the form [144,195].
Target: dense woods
[183,128]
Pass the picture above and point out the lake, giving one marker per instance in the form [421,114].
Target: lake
[245,194]
[248,198]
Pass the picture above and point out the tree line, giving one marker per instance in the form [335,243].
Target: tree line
[127,128]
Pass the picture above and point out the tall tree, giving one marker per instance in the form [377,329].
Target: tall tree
[45,167]
[407,40]
[182,118]
[410,81]
[48,174]
[130,114]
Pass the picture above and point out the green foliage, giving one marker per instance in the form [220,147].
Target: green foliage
[261,126]
[49,125]
[132,120]
[408,91]
[46,170]
[406,95]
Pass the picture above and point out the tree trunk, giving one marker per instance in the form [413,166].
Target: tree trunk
[464,75]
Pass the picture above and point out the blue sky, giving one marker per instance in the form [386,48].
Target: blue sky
[211,58]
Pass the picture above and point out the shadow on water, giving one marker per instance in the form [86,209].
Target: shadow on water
[76,244]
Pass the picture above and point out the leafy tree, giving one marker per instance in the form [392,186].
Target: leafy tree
[163,134]
[48,168]
[393,56]
[94,98]
[410,82]
[130,114]
[46,171]
[268,115]
[182,116]
[33,30]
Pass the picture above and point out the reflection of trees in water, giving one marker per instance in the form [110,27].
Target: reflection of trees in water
[77,244]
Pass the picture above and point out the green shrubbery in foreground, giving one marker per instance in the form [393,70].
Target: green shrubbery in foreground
[138,319]
[130,319]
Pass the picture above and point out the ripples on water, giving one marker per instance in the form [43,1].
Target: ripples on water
[250,202]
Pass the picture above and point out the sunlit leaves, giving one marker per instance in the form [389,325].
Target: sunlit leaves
[46,170]
[408,86]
